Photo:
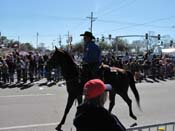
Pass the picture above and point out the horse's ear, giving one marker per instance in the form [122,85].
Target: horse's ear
[56,48]
[59,50]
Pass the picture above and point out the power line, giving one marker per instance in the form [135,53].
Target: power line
[143,24]
[107,6]
[77,26]
[131,23]
[113,9]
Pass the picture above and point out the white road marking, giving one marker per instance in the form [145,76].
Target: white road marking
[32,95]
[41,88]
[27,126]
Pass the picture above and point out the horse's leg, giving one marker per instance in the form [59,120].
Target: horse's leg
[79,98]
[129,102]
[112,100]
[69,104]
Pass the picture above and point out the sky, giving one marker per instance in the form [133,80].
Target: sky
[54,19]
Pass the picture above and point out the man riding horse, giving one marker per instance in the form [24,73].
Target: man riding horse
[91,56]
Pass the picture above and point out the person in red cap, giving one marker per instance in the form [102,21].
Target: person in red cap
[91,115]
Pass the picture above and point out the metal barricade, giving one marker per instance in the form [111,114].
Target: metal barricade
[170,126]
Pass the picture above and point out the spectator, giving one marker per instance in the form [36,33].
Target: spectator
[91,115]
[11,67]
[4,70]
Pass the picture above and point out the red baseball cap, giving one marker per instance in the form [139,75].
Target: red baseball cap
[94,88]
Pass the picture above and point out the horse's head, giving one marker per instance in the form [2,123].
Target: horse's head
[64,60]
[56,59]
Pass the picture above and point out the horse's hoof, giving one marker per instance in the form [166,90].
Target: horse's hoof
[134,117]
[58,128]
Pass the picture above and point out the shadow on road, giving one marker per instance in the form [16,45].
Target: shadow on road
[26,86]
[22,86]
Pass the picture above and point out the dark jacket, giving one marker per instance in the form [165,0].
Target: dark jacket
[92,53]
[90,117]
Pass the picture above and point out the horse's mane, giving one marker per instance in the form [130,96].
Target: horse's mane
[68,56]
[69,67]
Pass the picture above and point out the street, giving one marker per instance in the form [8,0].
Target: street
[40,108]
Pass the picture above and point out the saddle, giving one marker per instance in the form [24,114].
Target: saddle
[114,69]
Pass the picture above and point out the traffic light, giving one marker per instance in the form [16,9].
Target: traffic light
[158,37]
[97,39]
[103,38]
[110,36]
[70,38]
[171,43]
[146,36]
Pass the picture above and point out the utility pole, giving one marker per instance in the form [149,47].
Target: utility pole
[53,44]
[68,37]
[18,38]
[92,20]
[59,41]
[0,37]
[116,46]
[18,42]
[37,34]
[68,40]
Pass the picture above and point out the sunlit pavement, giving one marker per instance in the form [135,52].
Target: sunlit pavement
[40,108]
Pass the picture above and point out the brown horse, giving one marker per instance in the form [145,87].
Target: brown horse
[120,80]
[72,74]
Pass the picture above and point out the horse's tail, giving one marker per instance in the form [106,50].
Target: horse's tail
[133,88]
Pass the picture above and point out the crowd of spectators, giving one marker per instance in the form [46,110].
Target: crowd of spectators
[146,66]
[16,67]
[19,68]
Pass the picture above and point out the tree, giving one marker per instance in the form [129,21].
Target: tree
[3,38]
[104,46]
[138,45]
[77,47]
[26,47]
[15,44]
[120,45]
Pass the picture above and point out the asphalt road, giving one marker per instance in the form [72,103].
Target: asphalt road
[40,108]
